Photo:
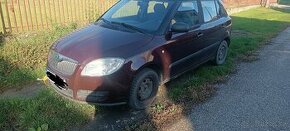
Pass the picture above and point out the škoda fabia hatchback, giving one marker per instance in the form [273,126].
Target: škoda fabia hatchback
[135,46]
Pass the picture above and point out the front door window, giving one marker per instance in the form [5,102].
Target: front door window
[187,13]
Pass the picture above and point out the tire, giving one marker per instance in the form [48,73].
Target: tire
[144,89]
[221,53]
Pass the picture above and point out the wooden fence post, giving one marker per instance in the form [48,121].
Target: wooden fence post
[14,15]
[2,18]
[8,16]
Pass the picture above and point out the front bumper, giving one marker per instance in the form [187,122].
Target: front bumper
[111,90]
[68,95]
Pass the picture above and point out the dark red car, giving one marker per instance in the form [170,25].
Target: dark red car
[137,45]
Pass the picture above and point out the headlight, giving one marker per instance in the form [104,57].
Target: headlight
[102,67]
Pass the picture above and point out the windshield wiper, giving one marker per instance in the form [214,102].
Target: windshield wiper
[106,21]
[129,26]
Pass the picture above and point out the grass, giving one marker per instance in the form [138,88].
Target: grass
[23,59]
[45,109]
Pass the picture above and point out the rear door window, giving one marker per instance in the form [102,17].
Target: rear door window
[209,10]
[187,13]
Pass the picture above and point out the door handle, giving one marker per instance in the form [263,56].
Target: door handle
[199,34]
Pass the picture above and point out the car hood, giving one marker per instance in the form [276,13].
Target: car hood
[95,41]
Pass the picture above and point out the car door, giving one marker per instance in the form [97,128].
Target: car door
[210,29]
[224,21]
[183,47]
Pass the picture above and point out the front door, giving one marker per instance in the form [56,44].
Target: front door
[183,47]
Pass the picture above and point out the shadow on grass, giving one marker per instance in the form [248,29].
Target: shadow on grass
[12,77]
[46,108]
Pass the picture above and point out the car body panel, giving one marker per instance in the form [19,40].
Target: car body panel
[170,54]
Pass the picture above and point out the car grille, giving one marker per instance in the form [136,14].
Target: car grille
[61,63]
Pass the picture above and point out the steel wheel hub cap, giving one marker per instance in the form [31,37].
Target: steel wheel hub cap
[222,53]
[145,89]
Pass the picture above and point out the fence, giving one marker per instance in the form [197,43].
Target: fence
[28,15]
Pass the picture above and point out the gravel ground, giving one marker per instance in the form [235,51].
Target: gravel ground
[257,97]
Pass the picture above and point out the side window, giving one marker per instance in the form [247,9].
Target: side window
[220,9]
[187,13]
[209,10]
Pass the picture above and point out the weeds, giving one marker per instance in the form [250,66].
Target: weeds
[23,56]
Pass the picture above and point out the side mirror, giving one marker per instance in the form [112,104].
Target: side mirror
[180,27]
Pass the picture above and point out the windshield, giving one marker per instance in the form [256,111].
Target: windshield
[142,15]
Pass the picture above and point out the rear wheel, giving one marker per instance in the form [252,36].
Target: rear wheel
[144,89]
[222,53]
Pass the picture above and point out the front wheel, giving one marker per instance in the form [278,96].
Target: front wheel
[222,53]
[144,89]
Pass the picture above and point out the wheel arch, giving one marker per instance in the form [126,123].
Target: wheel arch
[155,67]
[228,40]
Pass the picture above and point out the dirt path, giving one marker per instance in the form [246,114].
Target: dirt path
[256,98]
[26,92]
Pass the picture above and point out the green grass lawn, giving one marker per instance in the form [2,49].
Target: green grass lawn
[23,59]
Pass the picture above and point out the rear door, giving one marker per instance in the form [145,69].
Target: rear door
[224,22]
[210,28]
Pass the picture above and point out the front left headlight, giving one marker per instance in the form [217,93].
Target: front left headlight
[103,67]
